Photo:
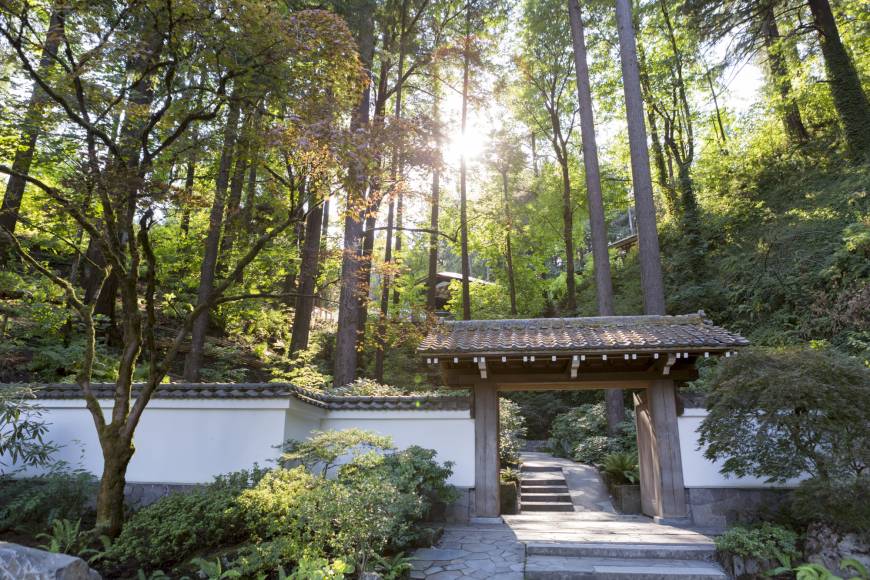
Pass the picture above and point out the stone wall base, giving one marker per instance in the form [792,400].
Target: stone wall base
[720,507]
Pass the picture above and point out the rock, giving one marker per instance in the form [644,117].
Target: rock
[23,563]
[827,547]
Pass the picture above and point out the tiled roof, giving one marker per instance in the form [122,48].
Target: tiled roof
[267,391]
[594,334]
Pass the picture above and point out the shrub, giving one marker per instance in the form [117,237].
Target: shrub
[511,431]
[32,504]
[839,504]
[581,434]
[572,427]
[782,413]
[324,449]
[415,471]
[179,525]
[763,542]
[22,429]
[621,468]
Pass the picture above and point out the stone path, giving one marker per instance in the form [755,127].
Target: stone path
[472,551]
[590,542]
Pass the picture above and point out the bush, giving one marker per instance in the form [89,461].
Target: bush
[22,428]
[415,471]
[511,431]
[180,525]
[621,468]
[763,542]
[781,413]
[839,504]
[581,434]
[32,504]
[324,449]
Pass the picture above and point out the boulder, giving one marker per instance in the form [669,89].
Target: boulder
[23,563]
[828,547]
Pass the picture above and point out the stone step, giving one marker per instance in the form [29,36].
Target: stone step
[626,551]
[543,506]
[548,497]
[570,568]
[542,481]
[540,468]
[544,488]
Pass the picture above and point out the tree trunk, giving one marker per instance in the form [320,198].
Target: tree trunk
[385,297]
[648,241]
[512,290]
[849,98]
[349,303]
[189,180]
[32,126]
[232,219]
[432,275]
[208,267]
[534,155]
[463,202]
[719,125]
[568,234]
[597,223]
[308,270]
[663,180]
[778,68]
[117,453]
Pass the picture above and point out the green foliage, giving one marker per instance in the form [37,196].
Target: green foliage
[22,429]
[819,572]
[508,474]
[840,504]
[175,527]
[261,522]
[781,413]
[511,431]
[34,503]
[540,407]
[581,434]
[65,537]
[324,448]
[488,300]
[763,542]
[621,468]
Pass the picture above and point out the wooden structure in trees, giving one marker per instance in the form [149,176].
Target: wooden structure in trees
[648,354]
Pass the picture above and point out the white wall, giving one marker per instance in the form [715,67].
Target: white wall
[449,433]
[192,440]
[699,471]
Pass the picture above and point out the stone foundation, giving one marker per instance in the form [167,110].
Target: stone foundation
[720,507]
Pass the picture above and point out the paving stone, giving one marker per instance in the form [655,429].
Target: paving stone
[437,554]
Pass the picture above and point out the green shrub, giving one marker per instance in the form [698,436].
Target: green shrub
[180,525]
[581,434]
[763,542]
[621,468]
[323,450]
[840,504]
[32,504]
[782,413]
[574,426]
[511,431]
[22,428]
[415,471]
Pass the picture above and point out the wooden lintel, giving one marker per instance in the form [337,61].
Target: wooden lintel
[575,385]
[468,377]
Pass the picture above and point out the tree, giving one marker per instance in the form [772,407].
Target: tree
[32,127]
[816,426]
[594,199]
[547,67]
[115,193]
[648,240]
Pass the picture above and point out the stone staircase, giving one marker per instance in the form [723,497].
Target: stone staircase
[543,489]
[611,547]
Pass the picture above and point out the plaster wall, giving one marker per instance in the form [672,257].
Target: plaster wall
[698,471]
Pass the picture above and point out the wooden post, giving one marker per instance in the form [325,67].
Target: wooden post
[486,484]
[663,493]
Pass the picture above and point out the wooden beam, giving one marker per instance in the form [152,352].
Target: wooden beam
[540,376]
[486,467]
[481,366]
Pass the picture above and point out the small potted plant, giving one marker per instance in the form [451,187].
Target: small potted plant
[622,477]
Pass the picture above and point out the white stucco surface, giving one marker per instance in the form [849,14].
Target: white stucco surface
[698,471]
[193,440]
